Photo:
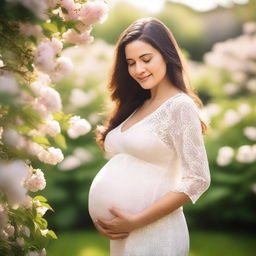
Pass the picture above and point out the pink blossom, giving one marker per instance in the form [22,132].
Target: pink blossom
[71,36]
[27,29]
[8,84]
[70,8]
[93,12]
[44,57]
[56,45]
[63,66]
[53,3]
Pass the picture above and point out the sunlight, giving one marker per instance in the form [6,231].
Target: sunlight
[92,251]
[156,6]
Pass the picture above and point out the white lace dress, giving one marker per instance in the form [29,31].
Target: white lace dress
[162,152]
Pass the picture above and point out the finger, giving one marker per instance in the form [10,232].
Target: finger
[104,224]
[101,230]
[110,234]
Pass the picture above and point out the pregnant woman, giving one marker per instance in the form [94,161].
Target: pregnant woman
[154,137]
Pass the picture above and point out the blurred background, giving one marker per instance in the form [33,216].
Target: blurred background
[218,38]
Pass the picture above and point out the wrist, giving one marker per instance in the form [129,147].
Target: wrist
[138,221]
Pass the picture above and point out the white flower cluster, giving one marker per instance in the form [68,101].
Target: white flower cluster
[85,14]
[244,154]
[79,156]
[35,181]
[78,127]
[8,84]
[46,59]
[51,155]
[12,177]
[232,117]
[237,56]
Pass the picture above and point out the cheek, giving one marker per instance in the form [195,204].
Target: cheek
[130,71]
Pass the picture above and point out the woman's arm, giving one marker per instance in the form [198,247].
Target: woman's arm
[165,205]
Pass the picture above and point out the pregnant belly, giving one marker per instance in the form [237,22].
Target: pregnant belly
[125,182]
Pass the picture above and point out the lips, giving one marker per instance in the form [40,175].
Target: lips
[142,79]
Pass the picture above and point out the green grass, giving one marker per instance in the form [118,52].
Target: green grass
[202,243]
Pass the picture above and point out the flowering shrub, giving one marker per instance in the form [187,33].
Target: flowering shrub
[32,125]
[231,140]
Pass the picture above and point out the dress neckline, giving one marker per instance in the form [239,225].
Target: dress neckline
[147,116]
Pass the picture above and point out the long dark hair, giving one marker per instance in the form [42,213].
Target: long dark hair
[126,94]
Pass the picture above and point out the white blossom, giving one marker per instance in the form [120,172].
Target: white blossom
[9,229]
[244,109]
[20,241]
[51,127]
[69,163]
[51,156]
[79,98]
[3,235]
[225,155]
[231,88]
[231,117]
[12,138]
[250,132]
[27,203]
[44,232]
[78,127]
[251,85]
[12,177]
[33,148]
[8,83]
[45,57]
[63,66]
[36,181]
[82,154]
[48,101]
[42,210]
[245,154]
[239,77]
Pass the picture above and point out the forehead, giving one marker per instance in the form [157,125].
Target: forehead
[137,48]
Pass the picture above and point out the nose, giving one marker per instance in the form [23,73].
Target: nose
[139,68]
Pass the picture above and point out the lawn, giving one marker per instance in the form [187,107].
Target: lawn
[202,243]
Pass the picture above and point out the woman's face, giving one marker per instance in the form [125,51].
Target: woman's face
[146,65]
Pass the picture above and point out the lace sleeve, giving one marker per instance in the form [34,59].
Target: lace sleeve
[188,143]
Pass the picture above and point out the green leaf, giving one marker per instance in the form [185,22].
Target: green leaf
[50,27]
[59,139]
[40,198]
[41,140]
[52,234]
[47,206]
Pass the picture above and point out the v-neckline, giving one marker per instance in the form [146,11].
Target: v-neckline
[147,116]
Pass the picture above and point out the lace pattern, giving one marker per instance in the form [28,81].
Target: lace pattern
[177,124]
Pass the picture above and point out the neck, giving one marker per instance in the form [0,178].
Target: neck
[162,91]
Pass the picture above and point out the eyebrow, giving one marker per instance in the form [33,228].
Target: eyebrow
[143,55]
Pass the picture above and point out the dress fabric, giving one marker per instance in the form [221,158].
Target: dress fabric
[162,152]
